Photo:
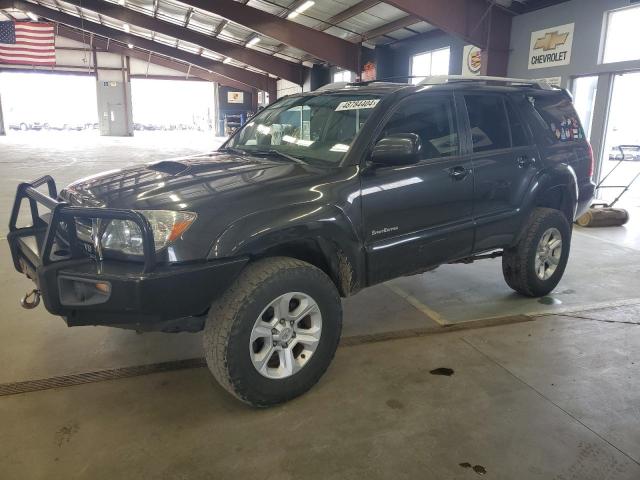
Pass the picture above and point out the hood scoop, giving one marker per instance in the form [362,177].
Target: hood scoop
[170,167]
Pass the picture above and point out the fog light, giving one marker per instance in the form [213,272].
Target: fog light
[103,287]
[76,291]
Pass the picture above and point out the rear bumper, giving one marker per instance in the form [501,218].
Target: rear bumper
[586,192]
[128,297]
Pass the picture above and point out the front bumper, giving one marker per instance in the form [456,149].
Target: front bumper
[85,291]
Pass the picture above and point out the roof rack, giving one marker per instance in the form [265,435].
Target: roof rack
[543,84]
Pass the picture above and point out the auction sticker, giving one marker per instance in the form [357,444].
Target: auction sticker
[357,104]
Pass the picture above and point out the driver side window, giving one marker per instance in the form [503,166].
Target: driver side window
[432,118]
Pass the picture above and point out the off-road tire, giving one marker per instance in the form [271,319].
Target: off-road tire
[232,317]
[518,262]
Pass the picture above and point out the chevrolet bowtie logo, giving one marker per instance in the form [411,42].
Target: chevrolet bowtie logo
[551,40]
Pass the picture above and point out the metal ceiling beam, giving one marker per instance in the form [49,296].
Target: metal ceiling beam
[350,12]
[386,28]
[321,45]
[101,44]
[479,22]
[292,6]
[278,67]
[233,75]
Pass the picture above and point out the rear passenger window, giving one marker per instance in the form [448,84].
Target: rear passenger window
[557,117]
[488,122]
[518,135]
[432,118]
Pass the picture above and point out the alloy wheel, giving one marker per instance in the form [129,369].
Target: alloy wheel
[548,253]
[285,335]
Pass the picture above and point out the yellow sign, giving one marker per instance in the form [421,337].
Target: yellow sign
[551,40]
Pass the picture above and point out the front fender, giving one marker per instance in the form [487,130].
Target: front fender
[327,226]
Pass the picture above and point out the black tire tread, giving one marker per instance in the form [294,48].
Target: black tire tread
[221,323]
[514,260]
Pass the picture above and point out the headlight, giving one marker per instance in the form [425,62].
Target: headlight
[126,237]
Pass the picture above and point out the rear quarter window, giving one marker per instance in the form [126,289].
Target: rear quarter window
[556,117]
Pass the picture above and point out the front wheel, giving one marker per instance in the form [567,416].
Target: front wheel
[535,265]
[274,332]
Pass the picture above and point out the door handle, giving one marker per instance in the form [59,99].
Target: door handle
[525,161]
[458,173]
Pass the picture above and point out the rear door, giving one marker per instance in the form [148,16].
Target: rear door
[419,215]
[504,162]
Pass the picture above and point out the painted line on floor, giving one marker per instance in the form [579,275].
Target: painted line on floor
[429,312]
[586,308]
[422,332]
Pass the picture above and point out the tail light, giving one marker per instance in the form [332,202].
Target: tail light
[592,162]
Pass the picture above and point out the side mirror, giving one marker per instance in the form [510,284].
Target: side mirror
[397,149]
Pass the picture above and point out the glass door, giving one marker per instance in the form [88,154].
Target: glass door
[623,128]
[584,98]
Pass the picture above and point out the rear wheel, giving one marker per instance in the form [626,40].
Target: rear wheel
[274,332]
[536,264]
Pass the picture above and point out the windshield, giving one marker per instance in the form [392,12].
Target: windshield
[311,128]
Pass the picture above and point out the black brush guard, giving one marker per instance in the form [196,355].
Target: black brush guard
[147,295]
[47,227]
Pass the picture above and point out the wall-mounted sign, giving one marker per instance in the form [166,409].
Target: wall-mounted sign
[471,60]
[235,97]
[551,47]
[368,72]
[553,81]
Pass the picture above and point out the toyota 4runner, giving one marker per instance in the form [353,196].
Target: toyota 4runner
[319,195]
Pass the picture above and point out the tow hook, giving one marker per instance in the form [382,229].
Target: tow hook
[31,299]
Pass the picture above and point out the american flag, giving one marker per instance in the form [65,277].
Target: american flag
[27,43]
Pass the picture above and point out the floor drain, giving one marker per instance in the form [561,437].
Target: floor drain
[99,376]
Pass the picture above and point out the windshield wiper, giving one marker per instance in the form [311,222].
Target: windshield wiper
[237,151]
[277,153]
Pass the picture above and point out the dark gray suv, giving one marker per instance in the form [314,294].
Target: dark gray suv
[318,196]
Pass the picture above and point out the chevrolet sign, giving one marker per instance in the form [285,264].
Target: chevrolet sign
[551,47]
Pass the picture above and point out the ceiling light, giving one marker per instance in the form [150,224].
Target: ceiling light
[126,27]
[32,16]
[226,60]
[305,6]
[253,41]
[130,45]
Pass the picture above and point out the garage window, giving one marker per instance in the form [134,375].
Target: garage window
[622,36]
[435,62]
[343,76]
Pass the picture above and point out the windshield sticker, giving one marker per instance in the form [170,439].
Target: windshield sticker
[357,104]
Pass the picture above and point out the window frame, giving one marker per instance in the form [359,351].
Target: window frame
[605,35]
[430,52]
[504,98]
[525,126]
[458,125]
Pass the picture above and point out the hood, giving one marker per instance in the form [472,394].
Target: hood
[220,187]
[187,183]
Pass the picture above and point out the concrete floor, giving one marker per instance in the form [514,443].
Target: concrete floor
[555,397]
